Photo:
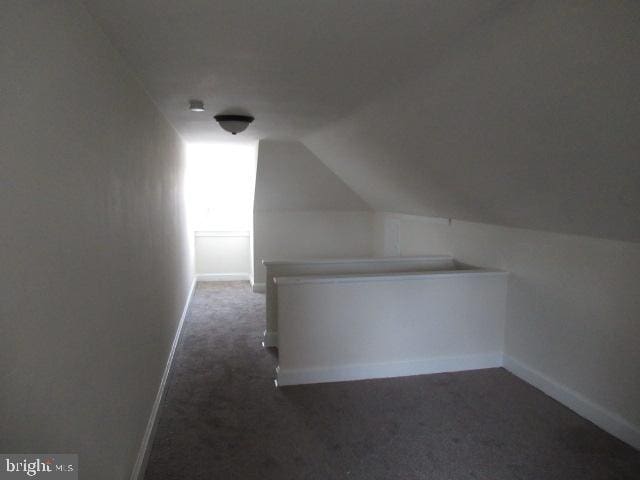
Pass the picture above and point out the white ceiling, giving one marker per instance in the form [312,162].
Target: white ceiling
[521,113]
[290,177]
[533,121]
[295,65]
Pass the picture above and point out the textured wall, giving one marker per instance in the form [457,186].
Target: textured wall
[95,256]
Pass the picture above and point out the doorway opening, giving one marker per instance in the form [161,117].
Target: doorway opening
[220,181]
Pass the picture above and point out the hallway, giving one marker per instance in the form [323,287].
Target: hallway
[222,418]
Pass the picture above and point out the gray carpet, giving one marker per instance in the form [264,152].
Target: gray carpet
[223,419]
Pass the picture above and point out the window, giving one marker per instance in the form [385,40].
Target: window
[220,183]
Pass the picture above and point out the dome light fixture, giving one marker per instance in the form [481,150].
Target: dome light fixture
[196,105]
[234,123]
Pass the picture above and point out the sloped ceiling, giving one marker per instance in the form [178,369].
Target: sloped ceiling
[518,113]
[290,177]
[533,121]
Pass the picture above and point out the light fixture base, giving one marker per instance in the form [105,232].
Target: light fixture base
[234,124]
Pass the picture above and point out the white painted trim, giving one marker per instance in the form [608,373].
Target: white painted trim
[605,419]
[222,277]
[207,233]
[270,339]
[314,261]
[421,219]
[385,276]
[259,288]
[385,370]
[140,465]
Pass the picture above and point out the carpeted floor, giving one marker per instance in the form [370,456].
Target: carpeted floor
[224,419]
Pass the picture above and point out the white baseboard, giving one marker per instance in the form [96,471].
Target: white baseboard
[385,370]
[605,419]
[259,287]
[221,277]
[270,339]
[143,454]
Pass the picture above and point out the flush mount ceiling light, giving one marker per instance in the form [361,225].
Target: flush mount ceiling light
[234,123]
[196,105]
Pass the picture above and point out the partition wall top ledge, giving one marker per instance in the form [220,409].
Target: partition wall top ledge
[355,260]
[385,276]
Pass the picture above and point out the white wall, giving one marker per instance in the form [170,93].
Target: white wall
[309,234]
[94,253]
[303,210]
[339,266]
[353,327]
[573,302]
[223,254]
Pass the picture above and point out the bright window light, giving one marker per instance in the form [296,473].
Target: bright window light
[220,181]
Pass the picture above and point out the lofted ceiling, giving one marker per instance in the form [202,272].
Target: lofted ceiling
[520,113]
[533,121]
[296,65]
